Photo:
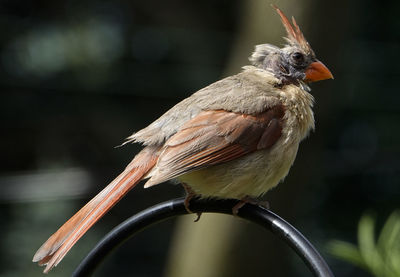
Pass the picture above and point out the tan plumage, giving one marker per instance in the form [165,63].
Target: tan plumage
[236,138]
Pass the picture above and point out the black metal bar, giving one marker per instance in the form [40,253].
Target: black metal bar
[176,207]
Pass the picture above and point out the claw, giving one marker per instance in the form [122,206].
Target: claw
[248,199]
[189,195]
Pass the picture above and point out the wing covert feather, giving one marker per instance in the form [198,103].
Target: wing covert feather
[215,137]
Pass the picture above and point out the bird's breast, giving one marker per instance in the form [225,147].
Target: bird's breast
[256,173]
[251,175]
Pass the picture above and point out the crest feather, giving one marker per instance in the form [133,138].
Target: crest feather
[295,36]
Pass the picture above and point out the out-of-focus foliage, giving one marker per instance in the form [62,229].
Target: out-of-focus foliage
[50,49]
[380,257]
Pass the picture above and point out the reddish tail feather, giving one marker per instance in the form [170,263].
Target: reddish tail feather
[58,245]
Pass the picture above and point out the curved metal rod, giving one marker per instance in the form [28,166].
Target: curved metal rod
[176,207]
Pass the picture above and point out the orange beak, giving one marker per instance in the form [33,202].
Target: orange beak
[317,71]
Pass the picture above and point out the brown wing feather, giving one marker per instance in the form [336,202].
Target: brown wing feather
[215,137]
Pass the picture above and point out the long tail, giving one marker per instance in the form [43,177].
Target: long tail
[58,245]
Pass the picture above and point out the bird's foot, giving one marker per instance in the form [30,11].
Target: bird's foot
[251,200]
[189,195]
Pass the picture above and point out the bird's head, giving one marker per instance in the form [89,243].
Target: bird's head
[296,61]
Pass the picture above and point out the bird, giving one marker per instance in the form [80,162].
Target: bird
[236,138]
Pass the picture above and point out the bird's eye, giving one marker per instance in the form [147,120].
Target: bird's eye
[298,57]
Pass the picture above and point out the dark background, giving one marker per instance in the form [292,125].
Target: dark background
[77,77]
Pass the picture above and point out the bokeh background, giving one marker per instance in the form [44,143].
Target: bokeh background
[77,77]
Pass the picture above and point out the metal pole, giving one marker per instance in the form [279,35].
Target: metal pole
[176,207]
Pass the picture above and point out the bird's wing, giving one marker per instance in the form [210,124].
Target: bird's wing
[250,92]
[215,137]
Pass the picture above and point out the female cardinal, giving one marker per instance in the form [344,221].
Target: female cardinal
[236,138]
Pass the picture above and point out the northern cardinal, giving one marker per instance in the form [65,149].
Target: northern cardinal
[236,138]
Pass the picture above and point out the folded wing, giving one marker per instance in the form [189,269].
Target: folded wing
[215,137]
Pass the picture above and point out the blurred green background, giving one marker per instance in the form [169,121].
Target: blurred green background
[77,77]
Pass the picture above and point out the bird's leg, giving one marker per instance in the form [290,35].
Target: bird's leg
[251,200]
[189,195]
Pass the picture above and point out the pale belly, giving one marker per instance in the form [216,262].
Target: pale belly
[251,175]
